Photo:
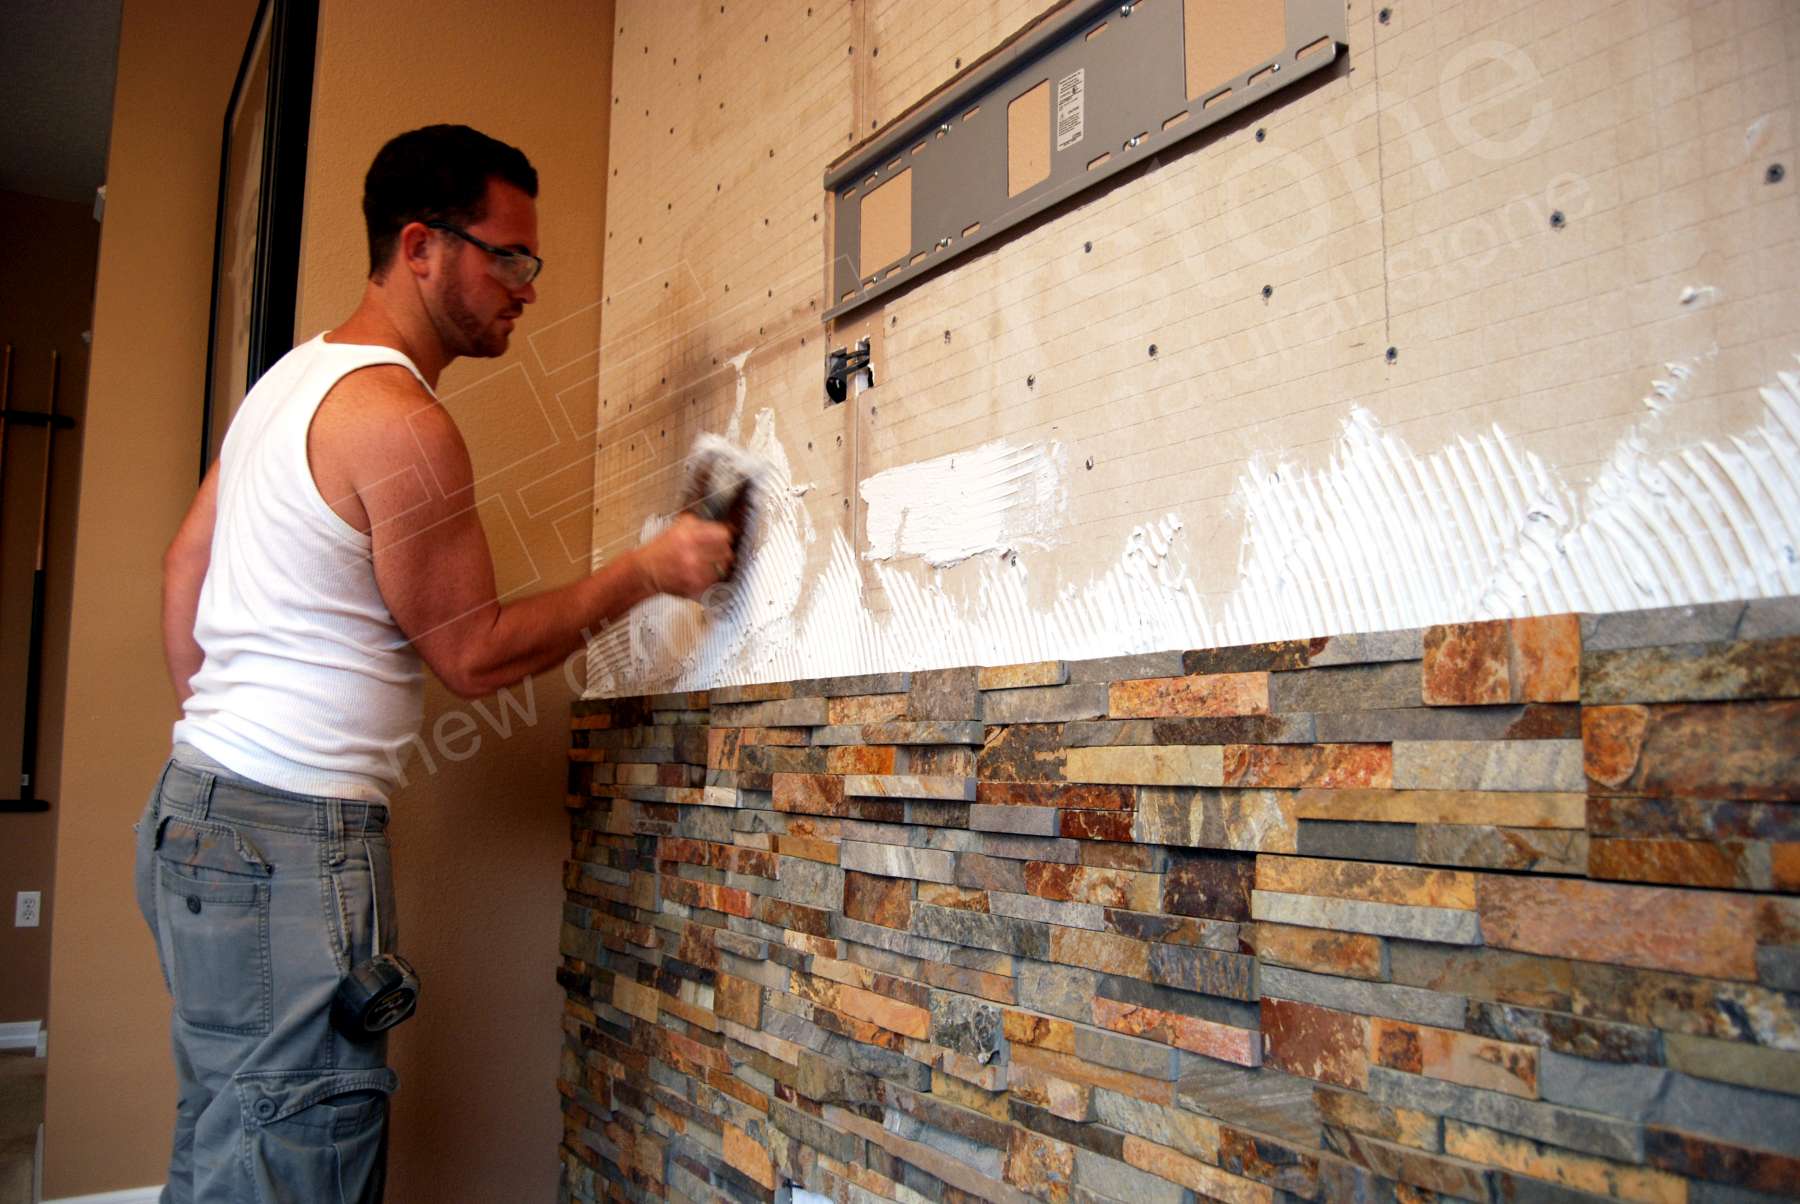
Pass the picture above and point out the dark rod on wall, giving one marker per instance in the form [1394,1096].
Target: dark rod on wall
[50,420]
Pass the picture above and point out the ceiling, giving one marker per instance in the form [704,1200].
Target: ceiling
[57,61]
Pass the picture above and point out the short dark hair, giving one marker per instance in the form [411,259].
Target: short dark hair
[438,173]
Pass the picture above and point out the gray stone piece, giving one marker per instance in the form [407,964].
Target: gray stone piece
[977,872]
[988,961]
[1483,847]
[855,687]
[870,832]
[1264,1100]
[1153,1122]
[784,712]
[892,940]
[1065,991]
[1022,938]
[811,883]
[1423,723]
[1572,1129]
[897,861]
[1371,648]
[1778,967]
[1348,688]
[1032,848]
[1046,704]
[967,1025]
[1488,765]
[1770,618]
[1020,821]
[1126,668]
[1446,926]
[1705,623]
[1367,998]
[1668,1099]
[1357,841]
[1109,1179]
[1204,971]
[837,734]
[984,1159]
[1133,1055]
[1091,916]
[827,1139]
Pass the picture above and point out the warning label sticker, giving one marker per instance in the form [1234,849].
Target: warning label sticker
[1071,115]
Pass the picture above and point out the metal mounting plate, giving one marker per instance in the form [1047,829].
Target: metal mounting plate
[1116,88]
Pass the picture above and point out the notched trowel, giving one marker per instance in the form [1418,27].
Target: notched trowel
[725,484]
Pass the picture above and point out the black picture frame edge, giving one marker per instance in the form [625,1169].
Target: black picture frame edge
[293,41]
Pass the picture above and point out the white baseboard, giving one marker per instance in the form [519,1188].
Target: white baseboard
[133,1195]
[20,1034]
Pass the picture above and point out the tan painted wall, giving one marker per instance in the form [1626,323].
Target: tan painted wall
[480,833]
[108,1008]
[46,300]
[1402,201]
[479,842]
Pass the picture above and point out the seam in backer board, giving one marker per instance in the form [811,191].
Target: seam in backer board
[1381,537]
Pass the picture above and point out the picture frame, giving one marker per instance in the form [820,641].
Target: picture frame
[262,189]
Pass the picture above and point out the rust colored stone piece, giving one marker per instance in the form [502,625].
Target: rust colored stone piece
[1020,677]
[1205,694]
[878,900]
[1040,1166]
[1454,1057]
[1239,1046]
[1095,825]
[1082,796]
[1467,664]
[1546,658]
[1316,1042]
[1345,954]
[1735,750]
[1374,883]
[1722,864]
[810,793]
[1323,766]
[1657,928]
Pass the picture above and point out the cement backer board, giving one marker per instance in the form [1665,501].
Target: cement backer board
[1402,202]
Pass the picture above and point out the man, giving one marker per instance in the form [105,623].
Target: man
[332,552]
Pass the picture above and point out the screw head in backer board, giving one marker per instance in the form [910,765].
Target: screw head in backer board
[1261,134]
[1557,220]
[1385,15]
[1775,175]
[1268,291]
[1153,351]
[1393,354]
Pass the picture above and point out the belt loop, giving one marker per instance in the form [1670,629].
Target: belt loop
[334,832]
[203,802]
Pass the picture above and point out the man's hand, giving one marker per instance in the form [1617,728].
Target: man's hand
[689,558]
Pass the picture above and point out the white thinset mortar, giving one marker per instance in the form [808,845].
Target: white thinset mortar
[1381,537]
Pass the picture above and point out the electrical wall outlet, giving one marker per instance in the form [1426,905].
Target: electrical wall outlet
[28,908]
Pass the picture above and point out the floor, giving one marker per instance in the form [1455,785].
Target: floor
[21,1112]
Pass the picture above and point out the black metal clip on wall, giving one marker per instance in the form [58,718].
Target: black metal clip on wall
[843,364]
[34,670]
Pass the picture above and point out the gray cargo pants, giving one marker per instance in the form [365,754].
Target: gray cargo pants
[260,901]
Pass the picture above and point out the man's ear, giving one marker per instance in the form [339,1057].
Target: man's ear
[415,248]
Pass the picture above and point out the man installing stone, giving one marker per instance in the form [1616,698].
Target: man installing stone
[332,553]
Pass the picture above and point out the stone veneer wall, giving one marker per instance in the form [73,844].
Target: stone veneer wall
[1494,911]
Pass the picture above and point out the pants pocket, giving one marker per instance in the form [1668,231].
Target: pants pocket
[212,910]
[316,1135]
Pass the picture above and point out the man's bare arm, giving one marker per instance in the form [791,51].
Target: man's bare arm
[414,488]
[184,571]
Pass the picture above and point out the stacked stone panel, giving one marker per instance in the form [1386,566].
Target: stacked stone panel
[1500,911]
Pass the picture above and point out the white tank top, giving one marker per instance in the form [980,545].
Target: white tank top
[308,684]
